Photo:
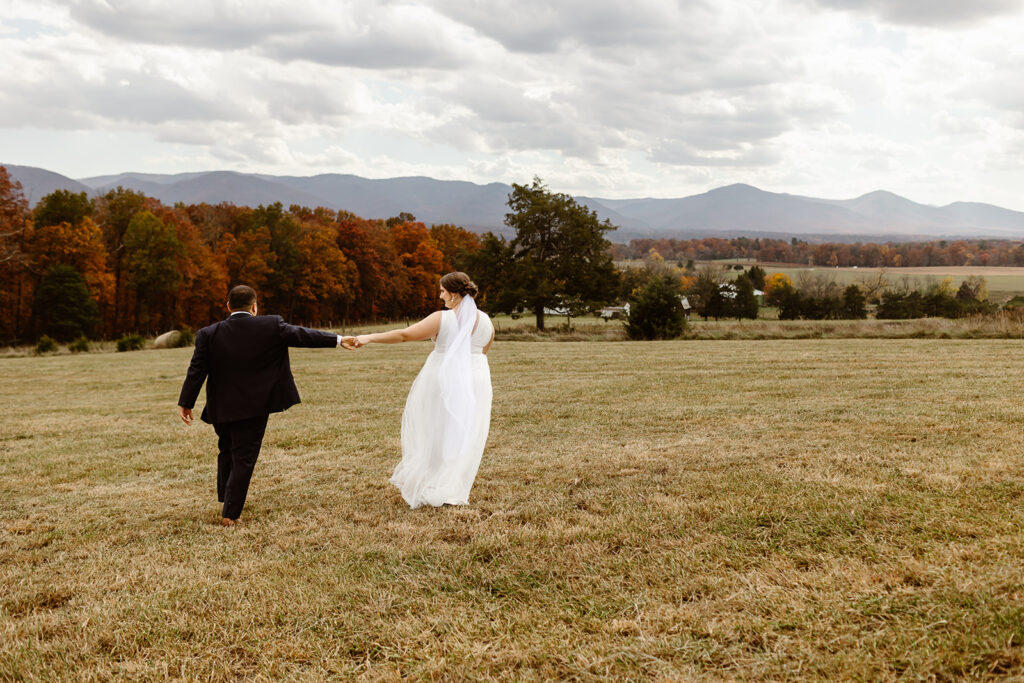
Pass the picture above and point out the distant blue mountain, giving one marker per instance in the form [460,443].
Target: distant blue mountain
[733,210]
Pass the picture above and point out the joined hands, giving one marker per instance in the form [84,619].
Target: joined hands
[353,343]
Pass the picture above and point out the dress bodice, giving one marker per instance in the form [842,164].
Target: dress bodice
[450,325]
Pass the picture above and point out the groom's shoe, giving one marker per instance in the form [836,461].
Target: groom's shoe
[227,521]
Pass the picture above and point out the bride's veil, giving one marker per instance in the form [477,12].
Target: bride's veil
[457,383]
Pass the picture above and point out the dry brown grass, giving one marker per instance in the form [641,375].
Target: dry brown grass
[802,509]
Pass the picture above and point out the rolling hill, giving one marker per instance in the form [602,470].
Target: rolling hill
[732,210]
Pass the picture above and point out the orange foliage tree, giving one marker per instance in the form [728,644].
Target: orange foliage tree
[14,222]
[456,245]
[79,246]
[423,265]
[152,267]
[774,286]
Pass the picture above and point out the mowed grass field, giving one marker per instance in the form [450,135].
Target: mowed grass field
[1004,282]
[794,509]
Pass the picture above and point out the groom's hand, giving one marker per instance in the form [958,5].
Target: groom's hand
[349,343]
[186,415]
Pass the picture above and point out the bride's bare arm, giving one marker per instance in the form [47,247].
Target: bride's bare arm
[488,347]
[424,329]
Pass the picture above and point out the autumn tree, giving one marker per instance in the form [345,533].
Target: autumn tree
[559,251]
[79,246]
[381,284]
[203,285]
[152,251]
[422,264]
[62,206]
[14,214]
[114,212]
[247,256]
[776,286]
[329,278]
[281,253]
[456,245]
[402,217]
[973,288]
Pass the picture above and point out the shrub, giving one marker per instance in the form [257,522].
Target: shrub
[80,345]
[46,344]
[657,311]
[130,342]
[186,337]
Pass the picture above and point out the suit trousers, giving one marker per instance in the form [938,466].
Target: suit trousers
[239,445]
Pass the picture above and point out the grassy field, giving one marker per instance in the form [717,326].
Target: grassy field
[798,509]
[1003,282]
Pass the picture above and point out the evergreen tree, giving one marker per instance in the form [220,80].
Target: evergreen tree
[717,306]
[854,303]
[757,275]
[744,305]
[656,312]
[63,308]
[790,303]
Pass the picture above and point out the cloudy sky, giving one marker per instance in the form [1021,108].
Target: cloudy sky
[830,98]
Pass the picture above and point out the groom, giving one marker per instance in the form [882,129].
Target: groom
[244,361]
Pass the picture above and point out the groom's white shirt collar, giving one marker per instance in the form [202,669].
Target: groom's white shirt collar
[234,313]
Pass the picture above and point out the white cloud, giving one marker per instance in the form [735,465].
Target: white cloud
[828,97]
[945,13]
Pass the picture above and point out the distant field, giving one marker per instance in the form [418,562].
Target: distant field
[801,509]
[1003,282]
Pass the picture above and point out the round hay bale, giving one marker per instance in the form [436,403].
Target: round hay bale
[166,340]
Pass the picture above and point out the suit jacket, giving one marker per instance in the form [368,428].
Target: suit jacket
[244,361]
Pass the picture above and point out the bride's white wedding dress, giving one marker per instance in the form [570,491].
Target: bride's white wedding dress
[425,476]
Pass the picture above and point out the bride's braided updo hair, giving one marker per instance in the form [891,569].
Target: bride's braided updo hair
[459,283]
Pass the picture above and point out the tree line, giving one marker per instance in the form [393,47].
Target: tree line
[124,262]
[982,252]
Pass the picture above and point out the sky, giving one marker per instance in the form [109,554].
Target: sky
[632,98]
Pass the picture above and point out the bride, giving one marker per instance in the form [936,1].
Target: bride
[448,411]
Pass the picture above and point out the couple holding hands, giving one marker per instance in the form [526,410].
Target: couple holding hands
[244,362]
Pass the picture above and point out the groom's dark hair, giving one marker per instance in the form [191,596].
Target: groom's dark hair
[241,297]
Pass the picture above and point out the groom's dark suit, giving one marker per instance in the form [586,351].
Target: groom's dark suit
[244,361]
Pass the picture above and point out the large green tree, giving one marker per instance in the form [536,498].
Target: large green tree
[559,255]
[114,212]
[152,251]
[63,308]
[62,206]
[492,269]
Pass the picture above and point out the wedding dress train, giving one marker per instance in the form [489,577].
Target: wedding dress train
[427,475]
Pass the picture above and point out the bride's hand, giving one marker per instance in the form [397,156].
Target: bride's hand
[362,340]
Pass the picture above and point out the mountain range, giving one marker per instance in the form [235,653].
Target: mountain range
[730,211]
